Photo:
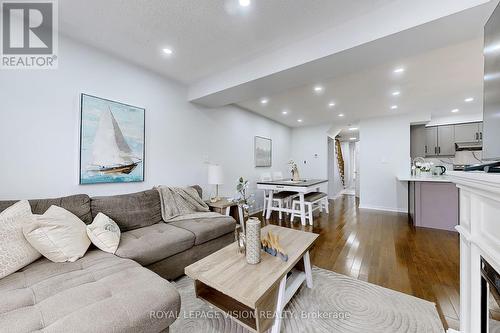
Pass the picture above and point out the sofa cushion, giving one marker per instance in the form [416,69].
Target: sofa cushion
[206,229]
[77,204]
[154,243]
[15,251]
[130,211]
[98,293]
[104,233]
[58,235]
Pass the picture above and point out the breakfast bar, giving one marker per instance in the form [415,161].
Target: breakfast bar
[432,201]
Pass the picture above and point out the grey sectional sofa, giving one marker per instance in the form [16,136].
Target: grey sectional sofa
[102,292]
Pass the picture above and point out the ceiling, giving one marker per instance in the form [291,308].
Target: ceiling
[434,82]
[206,36]
[280,49]
[350,133]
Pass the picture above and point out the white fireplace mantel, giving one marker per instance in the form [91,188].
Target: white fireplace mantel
[479,229]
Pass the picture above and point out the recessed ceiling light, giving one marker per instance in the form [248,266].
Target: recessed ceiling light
[341,114]
[167,51]
[353,129]
[244,3]
[284,112]
[469,99]
[396,93]
[331,104]
[394,107]
[318,89]
[299,120]
[352,138]
[455,110]
[264,101]
[399,70]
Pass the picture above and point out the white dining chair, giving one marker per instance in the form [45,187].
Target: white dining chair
[265,177]
[281,198]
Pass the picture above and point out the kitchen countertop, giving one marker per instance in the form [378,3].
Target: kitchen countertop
[438,179]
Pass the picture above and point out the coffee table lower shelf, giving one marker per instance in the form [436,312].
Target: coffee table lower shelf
[268,312]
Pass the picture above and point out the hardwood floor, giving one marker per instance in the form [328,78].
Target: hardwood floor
[385,249]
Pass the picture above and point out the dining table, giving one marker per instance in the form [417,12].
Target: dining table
[301,187]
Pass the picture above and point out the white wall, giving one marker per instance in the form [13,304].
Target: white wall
[39,128]
[310,152]
[456,119]
[384,154]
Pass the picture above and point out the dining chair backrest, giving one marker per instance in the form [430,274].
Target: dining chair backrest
[277,175]
[265,177]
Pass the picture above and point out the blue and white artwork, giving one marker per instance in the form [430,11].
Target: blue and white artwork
[111,142]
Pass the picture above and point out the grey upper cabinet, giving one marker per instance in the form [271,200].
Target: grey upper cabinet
[417,141]
[441,140]
[431,139]
[446,140]
[471,132]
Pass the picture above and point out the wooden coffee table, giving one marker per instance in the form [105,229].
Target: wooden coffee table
[255,295]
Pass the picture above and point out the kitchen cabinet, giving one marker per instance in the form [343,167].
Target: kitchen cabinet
[431,141]
[433,204]
[472,132]
[446,140]
[440,141]
[417,141]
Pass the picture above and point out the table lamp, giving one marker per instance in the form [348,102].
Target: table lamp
[215,178]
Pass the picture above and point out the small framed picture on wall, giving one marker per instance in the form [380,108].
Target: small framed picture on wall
[263,151]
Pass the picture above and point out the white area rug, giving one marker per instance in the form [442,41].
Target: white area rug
[337,303]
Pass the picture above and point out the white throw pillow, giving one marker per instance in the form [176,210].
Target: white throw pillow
[15,251]
[104,233]
[58,235]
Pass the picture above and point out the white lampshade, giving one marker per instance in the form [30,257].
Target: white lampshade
[215,176]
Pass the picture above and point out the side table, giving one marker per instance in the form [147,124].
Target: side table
[229,208]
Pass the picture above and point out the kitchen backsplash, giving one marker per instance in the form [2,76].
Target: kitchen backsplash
[461,157]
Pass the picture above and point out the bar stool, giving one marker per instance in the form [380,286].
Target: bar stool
[314,198]
[281,198]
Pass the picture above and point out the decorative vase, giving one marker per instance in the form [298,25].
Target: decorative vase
[253,241]
[295,174]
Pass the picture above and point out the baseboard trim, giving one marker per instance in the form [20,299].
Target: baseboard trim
[384,209]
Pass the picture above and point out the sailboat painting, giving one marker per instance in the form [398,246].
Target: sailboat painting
[111,142]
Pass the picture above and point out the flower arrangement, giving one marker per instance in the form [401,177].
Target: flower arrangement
[423,166]
[245,200]
[294,170]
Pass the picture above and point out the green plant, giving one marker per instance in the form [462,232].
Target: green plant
[244,199]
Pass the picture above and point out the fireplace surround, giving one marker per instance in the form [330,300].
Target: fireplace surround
[479,228]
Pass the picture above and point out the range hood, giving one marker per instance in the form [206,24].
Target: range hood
[468,146]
